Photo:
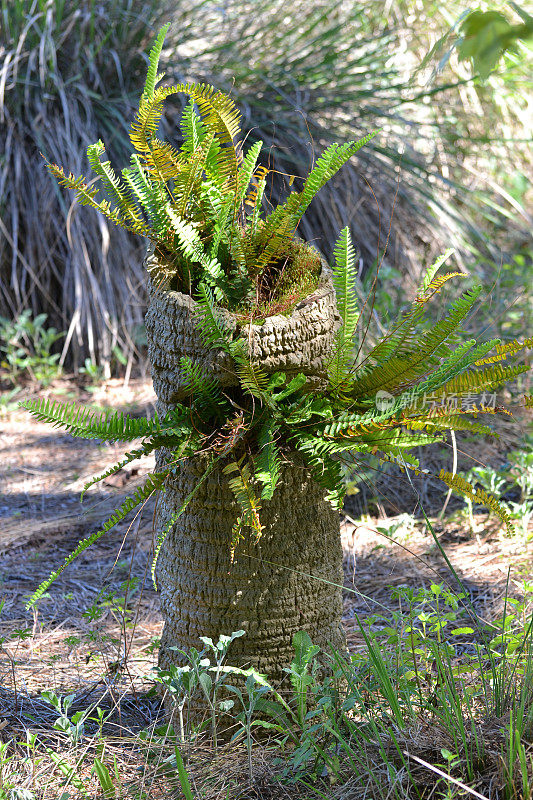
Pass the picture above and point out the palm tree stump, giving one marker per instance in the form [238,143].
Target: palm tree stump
[290,579]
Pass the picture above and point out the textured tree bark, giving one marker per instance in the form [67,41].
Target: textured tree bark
[288,581]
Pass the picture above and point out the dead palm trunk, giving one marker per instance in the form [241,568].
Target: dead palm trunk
[290,579]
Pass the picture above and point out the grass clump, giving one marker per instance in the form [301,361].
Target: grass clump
[68,74]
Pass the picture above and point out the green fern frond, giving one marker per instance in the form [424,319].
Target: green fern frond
[481,380]
[293,386]
[344,279]
[152,76]
[210,320]
[240,483]
[203,389]
[220,233]
[87,197]
[326,471]
[220,114]
[431,271]
[267,467]
[153,483]
[128,458]
[90,423]
[168,162]
[504,351]
[192,248]
[148,194]
[394,369]
[431,348]
[146,123]
[246,171]
[116,191]
[251,377]
[190,175]
[462,358]
[282,222]
[193,129]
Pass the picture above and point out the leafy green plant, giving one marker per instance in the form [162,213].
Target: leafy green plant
[195,204]
[73,726]
[372,403]
[205,223]
[26,346]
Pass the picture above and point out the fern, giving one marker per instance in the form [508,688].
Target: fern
[210,321]
[252,378]
[240,483]
[128,458]
[192,248]
[267,467]
[282,222]
[246,171]
[429,275]
[464,488]
[153,483]
[90,423]
[115,190]
[87,197]
[204,389]
[148,195]
[155,53]
[344,278]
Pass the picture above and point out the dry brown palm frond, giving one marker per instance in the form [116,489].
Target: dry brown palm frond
[69,75]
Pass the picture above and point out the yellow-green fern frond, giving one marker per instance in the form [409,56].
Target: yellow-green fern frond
[463,487]
[167,161]
[112,186]
[480,380]
[190,176]
[431,271]
[87,197]
[438,282]
[147,120]
[240,481]
[221,115]
[504,351]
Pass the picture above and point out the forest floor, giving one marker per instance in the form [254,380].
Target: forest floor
[102,647]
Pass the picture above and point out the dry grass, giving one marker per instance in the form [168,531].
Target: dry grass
[69,75]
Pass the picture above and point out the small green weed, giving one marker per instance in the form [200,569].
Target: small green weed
[26,350]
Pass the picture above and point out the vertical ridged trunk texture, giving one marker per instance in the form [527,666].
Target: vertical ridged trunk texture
[274,588]
[285,582]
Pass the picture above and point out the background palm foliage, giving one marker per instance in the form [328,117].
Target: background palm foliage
[304,75]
